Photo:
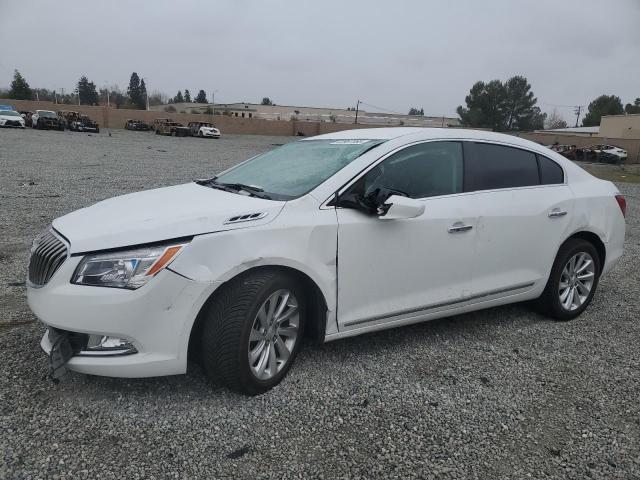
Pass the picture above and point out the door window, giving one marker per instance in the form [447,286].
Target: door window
[550,172]
[424,170]
[489,166]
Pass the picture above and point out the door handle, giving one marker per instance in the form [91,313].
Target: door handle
[459,227]
[556,212]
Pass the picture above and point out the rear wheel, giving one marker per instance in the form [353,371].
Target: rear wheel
[253,331]
[572,282]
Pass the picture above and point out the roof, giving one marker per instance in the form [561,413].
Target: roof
[423,133]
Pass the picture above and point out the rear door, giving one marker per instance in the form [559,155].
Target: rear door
[523,206]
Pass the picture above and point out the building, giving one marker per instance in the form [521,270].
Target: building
[620,126]
[312,114]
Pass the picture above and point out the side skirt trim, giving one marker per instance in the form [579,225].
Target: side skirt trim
[434,306]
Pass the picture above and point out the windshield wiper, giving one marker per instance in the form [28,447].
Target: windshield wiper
[235,187]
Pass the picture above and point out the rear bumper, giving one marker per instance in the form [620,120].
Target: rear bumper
[157,319]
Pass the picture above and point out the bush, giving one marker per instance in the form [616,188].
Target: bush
[170,109]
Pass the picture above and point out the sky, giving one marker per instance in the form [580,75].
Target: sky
[393,55]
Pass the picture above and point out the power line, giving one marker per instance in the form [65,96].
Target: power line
[381,108]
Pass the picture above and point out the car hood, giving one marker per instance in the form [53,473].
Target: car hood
[161,214]
[10,117]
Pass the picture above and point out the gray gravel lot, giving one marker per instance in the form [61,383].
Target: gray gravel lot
[502,393]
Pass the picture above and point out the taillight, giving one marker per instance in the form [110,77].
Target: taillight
[622,203]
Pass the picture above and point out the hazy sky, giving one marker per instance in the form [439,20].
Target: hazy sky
[392,54]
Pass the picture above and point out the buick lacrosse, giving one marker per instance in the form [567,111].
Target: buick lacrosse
[326,237]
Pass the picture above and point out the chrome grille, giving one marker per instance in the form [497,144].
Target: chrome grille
[47,254]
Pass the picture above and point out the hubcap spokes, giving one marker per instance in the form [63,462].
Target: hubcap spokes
[273,334]
[576,281]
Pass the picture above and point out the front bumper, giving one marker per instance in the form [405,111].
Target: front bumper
[12,124]
[157,319]
[210,134]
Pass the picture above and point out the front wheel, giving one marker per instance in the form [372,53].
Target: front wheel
[572,282]
[253,330]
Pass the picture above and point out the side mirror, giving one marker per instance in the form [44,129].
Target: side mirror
[398,207]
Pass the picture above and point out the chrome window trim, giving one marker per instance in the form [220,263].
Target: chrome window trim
[341,190]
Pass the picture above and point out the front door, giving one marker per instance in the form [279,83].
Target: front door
[399,270]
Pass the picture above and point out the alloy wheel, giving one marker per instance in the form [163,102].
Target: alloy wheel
[576,281]
[274,334]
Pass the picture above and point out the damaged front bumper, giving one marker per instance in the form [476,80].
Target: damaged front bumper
[116,332]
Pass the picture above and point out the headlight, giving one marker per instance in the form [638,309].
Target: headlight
[125,269]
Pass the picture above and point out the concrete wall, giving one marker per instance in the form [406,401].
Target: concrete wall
[116,118]
[620,126]
[632,146]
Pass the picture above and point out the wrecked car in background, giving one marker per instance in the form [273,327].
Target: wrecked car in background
[137,125]
[47,120]
[203,129]
[595,153]
[169,127]
[84,124]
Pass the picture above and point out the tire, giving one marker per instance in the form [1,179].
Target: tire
[173,133]
[97,130]
[200,134]
[550,302]
[157,132]
[232,318]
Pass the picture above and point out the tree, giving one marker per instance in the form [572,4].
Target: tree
[187,96]
[143,95]
[201,97]
[415,111]
[631,109]
[485,106]
[87,92]
[554,121]
[266,101]
[519,104]
[137,91]
[20,89]
[178,98]
[502,106]
[603,105]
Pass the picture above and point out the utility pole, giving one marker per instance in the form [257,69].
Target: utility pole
[357,107]
[213,105]
[106,87]
[577,111]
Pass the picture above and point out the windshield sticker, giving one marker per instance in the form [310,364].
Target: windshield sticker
[349,142]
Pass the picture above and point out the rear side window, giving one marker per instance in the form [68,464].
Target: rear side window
[550,172]
[489,166]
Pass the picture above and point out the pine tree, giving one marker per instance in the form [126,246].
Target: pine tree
[87,92]
[134,91]
[187,96]
[201,97]
[20,89]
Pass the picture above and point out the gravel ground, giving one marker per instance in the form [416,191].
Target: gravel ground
[502,393]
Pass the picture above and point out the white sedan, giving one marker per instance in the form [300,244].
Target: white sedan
[327,237]
[11,118]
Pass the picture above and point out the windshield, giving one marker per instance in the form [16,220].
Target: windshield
[46,113]
[9,113]
[298,167]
